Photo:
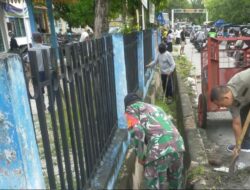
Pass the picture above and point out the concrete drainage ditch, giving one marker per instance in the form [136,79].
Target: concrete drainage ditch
[195,160]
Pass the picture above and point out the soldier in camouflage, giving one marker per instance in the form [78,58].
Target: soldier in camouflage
[157,142]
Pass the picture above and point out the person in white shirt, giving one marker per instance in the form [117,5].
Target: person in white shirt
[178,37]
[84,35]
[167,66]
[170,38]
[37,46]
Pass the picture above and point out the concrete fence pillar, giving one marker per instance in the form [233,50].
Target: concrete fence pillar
[31,16]
[159,36]
[154,43]
[140,55]
[120,78]
[53,37]
[20,166]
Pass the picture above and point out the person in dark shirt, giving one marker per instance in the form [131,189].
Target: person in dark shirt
[183,41]
[13,43]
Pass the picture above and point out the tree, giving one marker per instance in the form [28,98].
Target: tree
[168,5]
[197,18]
[101,17]
[89,12]
[230,10]
[76,14]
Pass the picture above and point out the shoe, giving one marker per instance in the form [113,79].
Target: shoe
[230,148]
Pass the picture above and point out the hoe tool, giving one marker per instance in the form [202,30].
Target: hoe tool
[236,156]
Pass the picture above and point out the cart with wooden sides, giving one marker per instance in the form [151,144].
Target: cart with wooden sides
[221,59]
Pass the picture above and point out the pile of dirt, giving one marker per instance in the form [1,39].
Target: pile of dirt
[218,157]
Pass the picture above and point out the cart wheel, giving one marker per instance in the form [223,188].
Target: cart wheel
[202,111]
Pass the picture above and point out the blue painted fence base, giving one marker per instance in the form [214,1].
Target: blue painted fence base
[20,166]
[107,174]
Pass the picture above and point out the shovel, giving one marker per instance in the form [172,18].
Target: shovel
[236,156]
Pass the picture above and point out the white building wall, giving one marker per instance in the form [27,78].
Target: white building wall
[61,24]
[3,29]
[3,24]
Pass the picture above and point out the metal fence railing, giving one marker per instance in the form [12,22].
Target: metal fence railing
[61,39]
[75,117]
[131,61]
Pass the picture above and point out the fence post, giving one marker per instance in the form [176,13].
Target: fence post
[120,78]
[31,16]
[19,164]
[159,36]
[154,43]
[53,37]
[140,56]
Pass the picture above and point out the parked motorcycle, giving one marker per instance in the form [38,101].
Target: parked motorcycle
[230,47]
[239,53]
[198,45]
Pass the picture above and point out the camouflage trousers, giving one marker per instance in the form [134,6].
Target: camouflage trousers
[165,173]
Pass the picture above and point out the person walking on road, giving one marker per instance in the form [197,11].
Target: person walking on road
[157,143]
[178,37]
[183,41]
[169,42]
[167,65]
[38,47]
[235,96]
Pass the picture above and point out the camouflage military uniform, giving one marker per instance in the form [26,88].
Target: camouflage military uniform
[163,158]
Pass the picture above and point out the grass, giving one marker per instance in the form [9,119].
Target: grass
[196,173]
[168,108]
[183,66]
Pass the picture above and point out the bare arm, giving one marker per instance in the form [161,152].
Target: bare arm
[172,63]
[236,124]
[153,62]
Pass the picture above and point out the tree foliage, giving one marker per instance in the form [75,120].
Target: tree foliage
[230,10]
[197,18]
[101,17]
[76,14]
[83,12]
[168,5]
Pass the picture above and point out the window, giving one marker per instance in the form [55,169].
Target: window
[17,27]
[1,42]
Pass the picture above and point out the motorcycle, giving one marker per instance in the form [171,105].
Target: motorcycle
[198,45]
[239,53]
[230,46]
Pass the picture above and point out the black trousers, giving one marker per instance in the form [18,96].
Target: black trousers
[243,115]
[42,78]
[178,41]
[169,46]
[167,82]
